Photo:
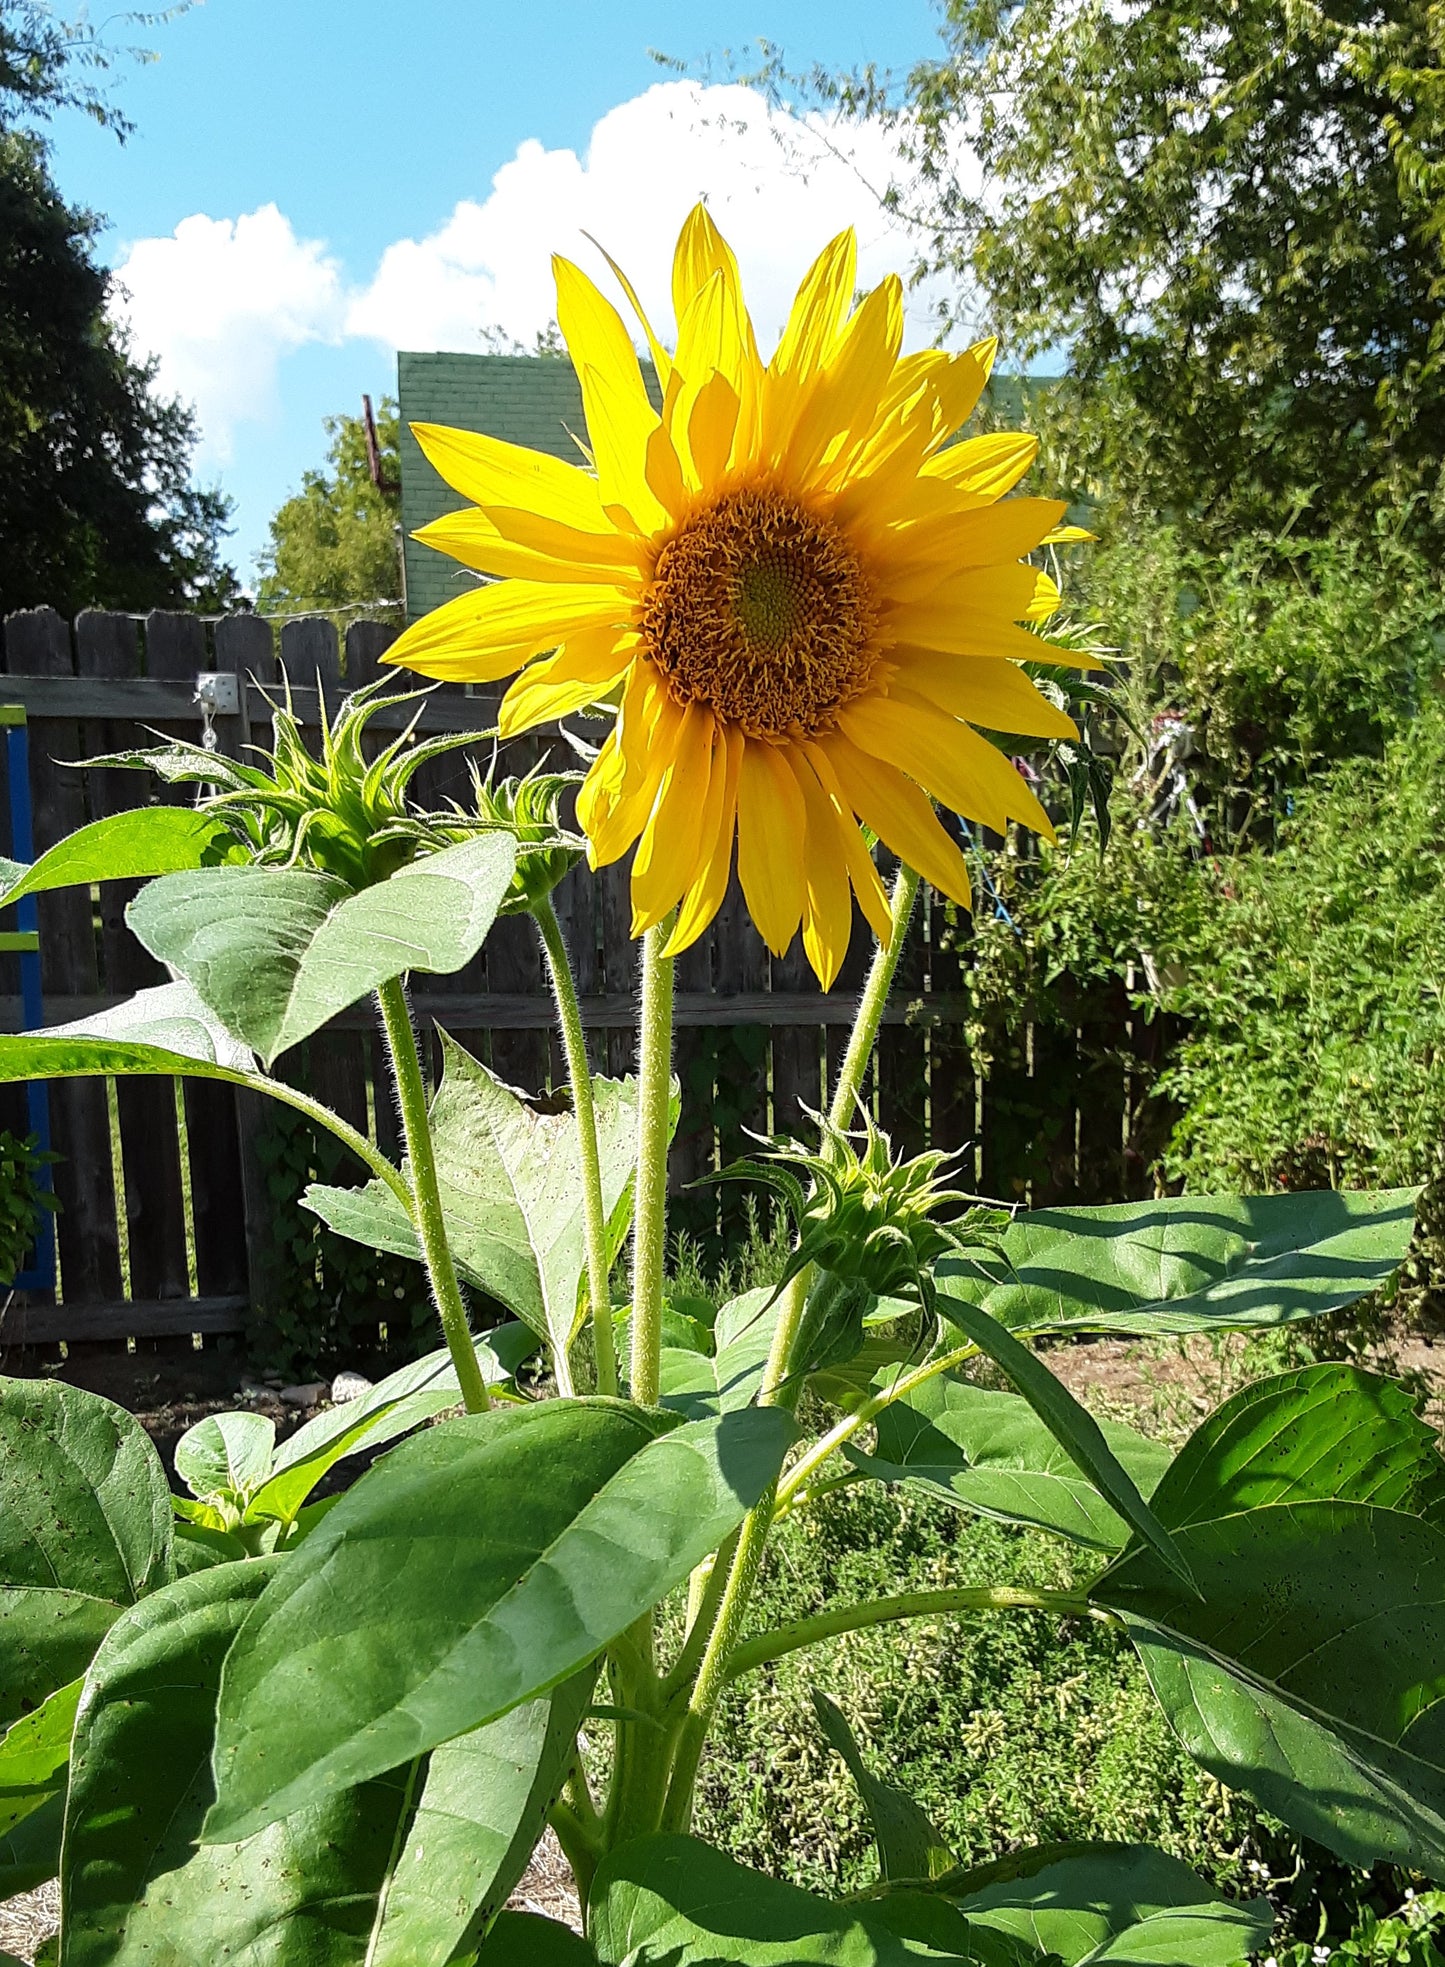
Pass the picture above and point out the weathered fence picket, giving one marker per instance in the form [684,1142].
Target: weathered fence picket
[163,1217]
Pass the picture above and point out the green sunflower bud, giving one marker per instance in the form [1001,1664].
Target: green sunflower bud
[527,809]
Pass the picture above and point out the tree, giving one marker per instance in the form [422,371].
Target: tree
[334,544]
[97,505]
[1229,212]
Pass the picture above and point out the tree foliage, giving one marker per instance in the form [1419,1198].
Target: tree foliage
[97,504]
[334,544]
[1230,213]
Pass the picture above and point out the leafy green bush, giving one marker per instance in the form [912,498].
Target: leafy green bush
[22,1199]
[1312,986]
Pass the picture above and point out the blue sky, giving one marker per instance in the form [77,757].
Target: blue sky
[312,184]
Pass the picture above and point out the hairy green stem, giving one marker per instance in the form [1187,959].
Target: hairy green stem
[574,1044]
[869,1410]
[778,1389]
[424,1203]
[649,1221]
[875,995]
[907,1605]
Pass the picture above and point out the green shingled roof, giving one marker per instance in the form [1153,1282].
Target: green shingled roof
[527,399]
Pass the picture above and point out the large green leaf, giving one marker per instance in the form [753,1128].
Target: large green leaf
[486,1560]
[147,840]
[908,1844]
[676,1901]
[226,1455]
[1111,1902]
[405,1399]
[697,1384]
[276,952]
[1072,1426]
[512,1191]
[990,1453]
[135,1890]
[85,1529]
[482,1809]
[166,1029]
[33,1753]
[526,1939]
[1188,1263]
[30,1853]
[1311,1671]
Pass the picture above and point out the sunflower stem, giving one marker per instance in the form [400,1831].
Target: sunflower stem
[875,995]
[770,1646]
[425,1200]
[779,1388]
[654,1113]
[574,1044]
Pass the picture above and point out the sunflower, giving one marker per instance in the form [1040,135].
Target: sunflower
[800,601]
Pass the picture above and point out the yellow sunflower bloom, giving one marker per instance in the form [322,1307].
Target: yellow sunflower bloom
[801,602]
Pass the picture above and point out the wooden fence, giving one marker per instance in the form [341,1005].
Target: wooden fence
[149,1247]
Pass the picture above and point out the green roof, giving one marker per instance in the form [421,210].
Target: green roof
[526,399]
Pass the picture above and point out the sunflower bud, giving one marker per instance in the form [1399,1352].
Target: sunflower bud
[872,1219]
[527,809]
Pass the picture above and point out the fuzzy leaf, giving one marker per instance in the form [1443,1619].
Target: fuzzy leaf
[675,1900]
[1092,1903]
[147,840]
[276,952]
[1187,1263]
[1310,1671]
[375,1643]
[1072,1426]
[135,1890]
[511,1185]
[85,1529]
[990,1452]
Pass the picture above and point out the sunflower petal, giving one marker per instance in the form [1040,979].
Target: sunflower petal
[705,897]
[867,883]
[827,896]
[985,467]
[847,392]
[702,252]
[586,669]
[710,428]
[988,639]
[505,540]
[819,310]
[980,599]
[996,695]
[621,434]
[647,753]
[948,759]
[902,817]
[666,863]
[489,471]
[661,361]
[493,630]
[771,820]
[1046,601]
[714,337]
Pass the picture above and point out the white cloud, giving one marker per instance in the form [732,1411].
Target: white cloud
[778,186]
[220,302]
